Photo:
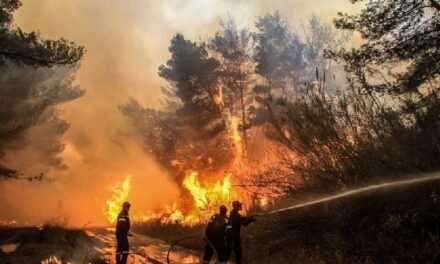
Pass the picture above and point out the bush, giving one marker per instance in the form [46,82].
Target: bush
[352,137]
[395,225]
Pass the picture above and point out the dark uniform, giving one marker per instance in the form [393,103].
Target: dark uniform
[122,228]
[216,235]
[236,221]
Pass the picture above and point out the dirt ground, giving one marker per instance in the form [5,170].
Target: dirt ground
[34,245]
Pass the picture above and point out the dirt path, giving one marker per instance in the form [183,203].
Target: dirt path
[145,249]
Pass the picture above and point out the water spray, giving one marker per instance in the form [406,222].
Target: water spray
[355,192]
[361,190]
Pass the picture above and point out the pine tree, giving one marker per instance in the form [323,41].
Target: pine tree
[35,75]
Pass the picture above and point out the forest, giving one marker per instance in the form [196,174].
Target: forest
[268,112]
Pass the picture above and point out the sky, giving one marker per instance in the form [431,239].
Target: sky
[126,41]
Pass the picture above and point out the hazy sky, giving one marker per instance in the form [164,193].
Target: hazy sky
[126,41]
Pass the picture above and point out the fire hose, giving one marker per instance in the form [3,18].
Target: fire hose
[353,192]
[329,198]
[175,243]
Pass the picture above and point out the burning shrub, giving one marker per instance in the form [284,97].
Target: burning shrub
[203,201]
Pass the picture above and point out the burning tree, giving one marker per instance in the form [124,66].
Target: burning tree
[191,137]
[233,47]
[212,134]
[205,199]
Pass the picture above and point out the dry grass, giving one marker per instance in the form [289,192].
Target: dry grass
[186,236]
[36,244]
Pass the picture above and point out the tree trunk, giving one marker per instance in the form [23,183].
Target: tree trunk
[243,117]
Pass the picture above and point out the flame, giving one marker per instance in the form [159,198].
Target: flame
[218,98]
[205,198]
[234,132]
[264,201]
[120,195]
[52,260]
[211,196]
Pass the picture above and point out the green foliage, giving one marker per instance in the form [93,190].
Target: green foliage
[29,48]
[387,122]
[237,65]
[398,34]
[191,74]
[232,47]
[353,137]
[279,53]
[36,75]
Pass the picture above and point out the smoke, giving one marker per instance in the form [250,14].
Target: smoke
[126,41]
[29,121]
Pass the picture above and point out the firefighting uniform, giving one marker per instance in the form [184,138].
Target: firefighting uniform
[122,228]
[217,243]
[236,221]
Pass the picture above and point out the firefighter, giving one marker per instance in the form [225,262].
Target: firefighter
[236,221]
[216,237]
[122,228]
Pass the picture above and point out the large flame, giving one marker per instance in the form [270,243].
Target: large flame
[206,199]
[211,196]
[120,195]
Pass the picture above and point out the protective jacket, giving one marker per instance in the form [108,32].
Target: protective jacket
[236,221]
[216,228]
[216,235]
[122,229]
[123,224]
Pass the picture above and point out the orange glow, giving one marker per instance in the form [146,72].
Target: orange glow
[205,198]
[218,98]
[120,195]
[210,196]
[234,133]
[52,260]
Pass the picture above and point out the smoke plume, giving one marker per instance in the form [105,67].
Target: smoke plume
[125,41]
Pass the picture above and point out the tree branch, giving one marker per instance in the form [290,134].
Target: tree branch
[435,4]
